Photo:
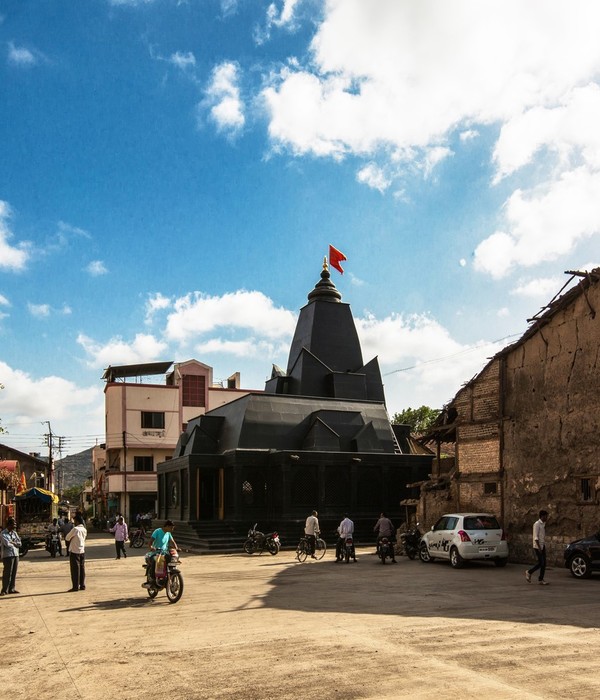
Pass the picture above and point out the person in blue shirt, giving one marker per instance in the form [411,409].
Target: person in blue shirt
[160,543]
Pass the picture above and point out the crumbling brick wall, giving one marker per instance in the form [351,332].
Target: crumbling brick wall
[552,427]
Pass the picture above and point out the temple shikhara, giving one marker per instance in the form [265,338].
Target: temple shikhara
[319,437]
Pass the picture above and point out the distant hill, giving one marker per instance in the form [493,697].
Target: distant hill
[74,470]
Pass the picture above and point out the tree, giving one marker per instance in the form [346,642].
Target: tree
[419,419]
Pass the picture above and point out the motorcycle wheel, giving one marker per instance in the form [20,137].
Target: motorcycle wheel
[174,587]
[153,591]
[53,552]
[249,546]
[382,558]
[137,542]
[273,548]
[347,557]
[411,554]
[23,551]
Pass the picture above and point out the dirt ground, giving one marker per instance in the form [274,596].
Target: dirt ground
[262,627]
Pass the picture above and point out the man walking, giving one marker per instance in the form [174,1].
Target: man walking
[121,535]
[76,541]
[539,549]
[311,530]
[9,552]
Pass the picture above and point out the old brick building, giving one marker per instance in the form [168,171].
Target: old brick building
[527,429]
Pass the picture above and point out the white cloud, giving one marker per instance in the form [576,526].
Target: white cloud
[197,313]
[4,301]
[373,176]
[543,287]
[144,348]
[433,366]
[11,258]
[543,224]
[39,310]
[249,348]
[155,303]
[394,82]
[96,268]
[223,100]
[184,61]
[503,312]
[27,398]
[20,56]
[462,262]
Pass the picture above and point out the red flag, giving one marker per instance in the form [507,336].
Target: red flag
[335,258]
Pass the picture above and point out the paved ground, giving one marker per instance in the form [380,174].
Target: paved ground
[262,627]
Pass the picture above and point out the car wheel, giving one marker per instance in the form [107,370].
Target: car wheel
[500,562]
[456,561]
[424,555]
[580,566]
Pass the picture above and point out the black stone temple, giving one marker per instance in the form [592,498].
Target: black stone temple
[319,437]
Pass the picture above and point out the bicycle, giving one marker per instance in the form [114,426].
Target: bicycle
[303,549]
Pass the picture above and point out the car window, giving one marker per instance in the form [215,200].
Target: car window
[441,524]
[481,522]
[451,523]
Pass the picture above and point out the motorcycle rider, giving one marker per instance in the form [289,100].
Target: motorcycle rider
[311,530]
[345,529]
[54,529]
[385,528]
[160,543]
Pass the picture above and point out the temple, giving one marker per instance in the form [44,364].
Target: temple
[319,437]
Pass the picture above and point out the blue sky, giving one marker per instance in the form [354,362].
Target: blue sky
[172,172]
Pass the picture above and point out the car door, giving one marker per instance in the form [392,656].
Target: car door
[449,534]
[436,537]
[595,551]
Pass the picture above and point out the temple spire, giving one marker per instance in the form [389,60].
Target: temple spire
[325,289]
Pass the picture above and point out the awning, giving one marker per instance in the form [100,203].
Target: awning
[42,494]
[11,465]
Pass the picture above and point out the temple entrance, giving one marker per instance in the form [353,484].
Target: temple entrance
[208,494]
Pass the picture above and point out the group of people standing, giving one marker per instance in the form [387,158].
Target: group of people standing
[383,528]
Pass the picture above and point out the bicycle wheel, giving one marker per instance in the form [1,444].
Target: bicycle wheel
[320,548]
[302,550]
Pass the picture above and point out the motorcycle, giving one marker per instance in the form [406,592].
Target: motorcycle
[169,579]
[52,544]
[138,538]
[411,540]
[348,552]
[257,542]
[385,549]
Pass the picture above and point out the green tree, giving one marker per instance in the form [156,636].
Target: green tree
[419,419]
[72,494]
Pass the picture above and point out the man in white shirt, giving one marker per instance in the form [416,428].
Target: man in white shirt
[345,529]
[539,548]
[76,539]
[311,530]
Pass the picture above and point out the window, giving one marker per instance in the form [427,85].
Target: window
[481,522]
[586,491]
[152,419]
[193,390]
[490,489]
[143,464]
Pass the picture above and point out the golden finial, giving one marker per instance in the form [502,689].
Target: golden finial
[325,267]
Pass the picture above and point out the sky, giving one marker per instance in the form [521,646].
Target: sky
[172,173]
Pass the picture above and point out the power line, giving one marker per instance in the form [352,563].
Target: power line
[456,354]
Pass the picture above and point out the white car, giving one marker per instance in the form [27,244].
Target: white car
[465,536]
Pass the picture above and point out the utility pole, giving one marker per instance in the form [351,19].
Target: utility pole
[48,438]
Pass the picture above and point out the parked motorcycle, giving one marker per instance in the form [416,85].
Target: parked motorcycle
[169,579]
[411,540]
[138,538]
[257,542]
[52,544]
[385,549]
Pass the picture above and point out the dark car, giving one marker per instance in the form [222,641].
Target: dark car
[583,556]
